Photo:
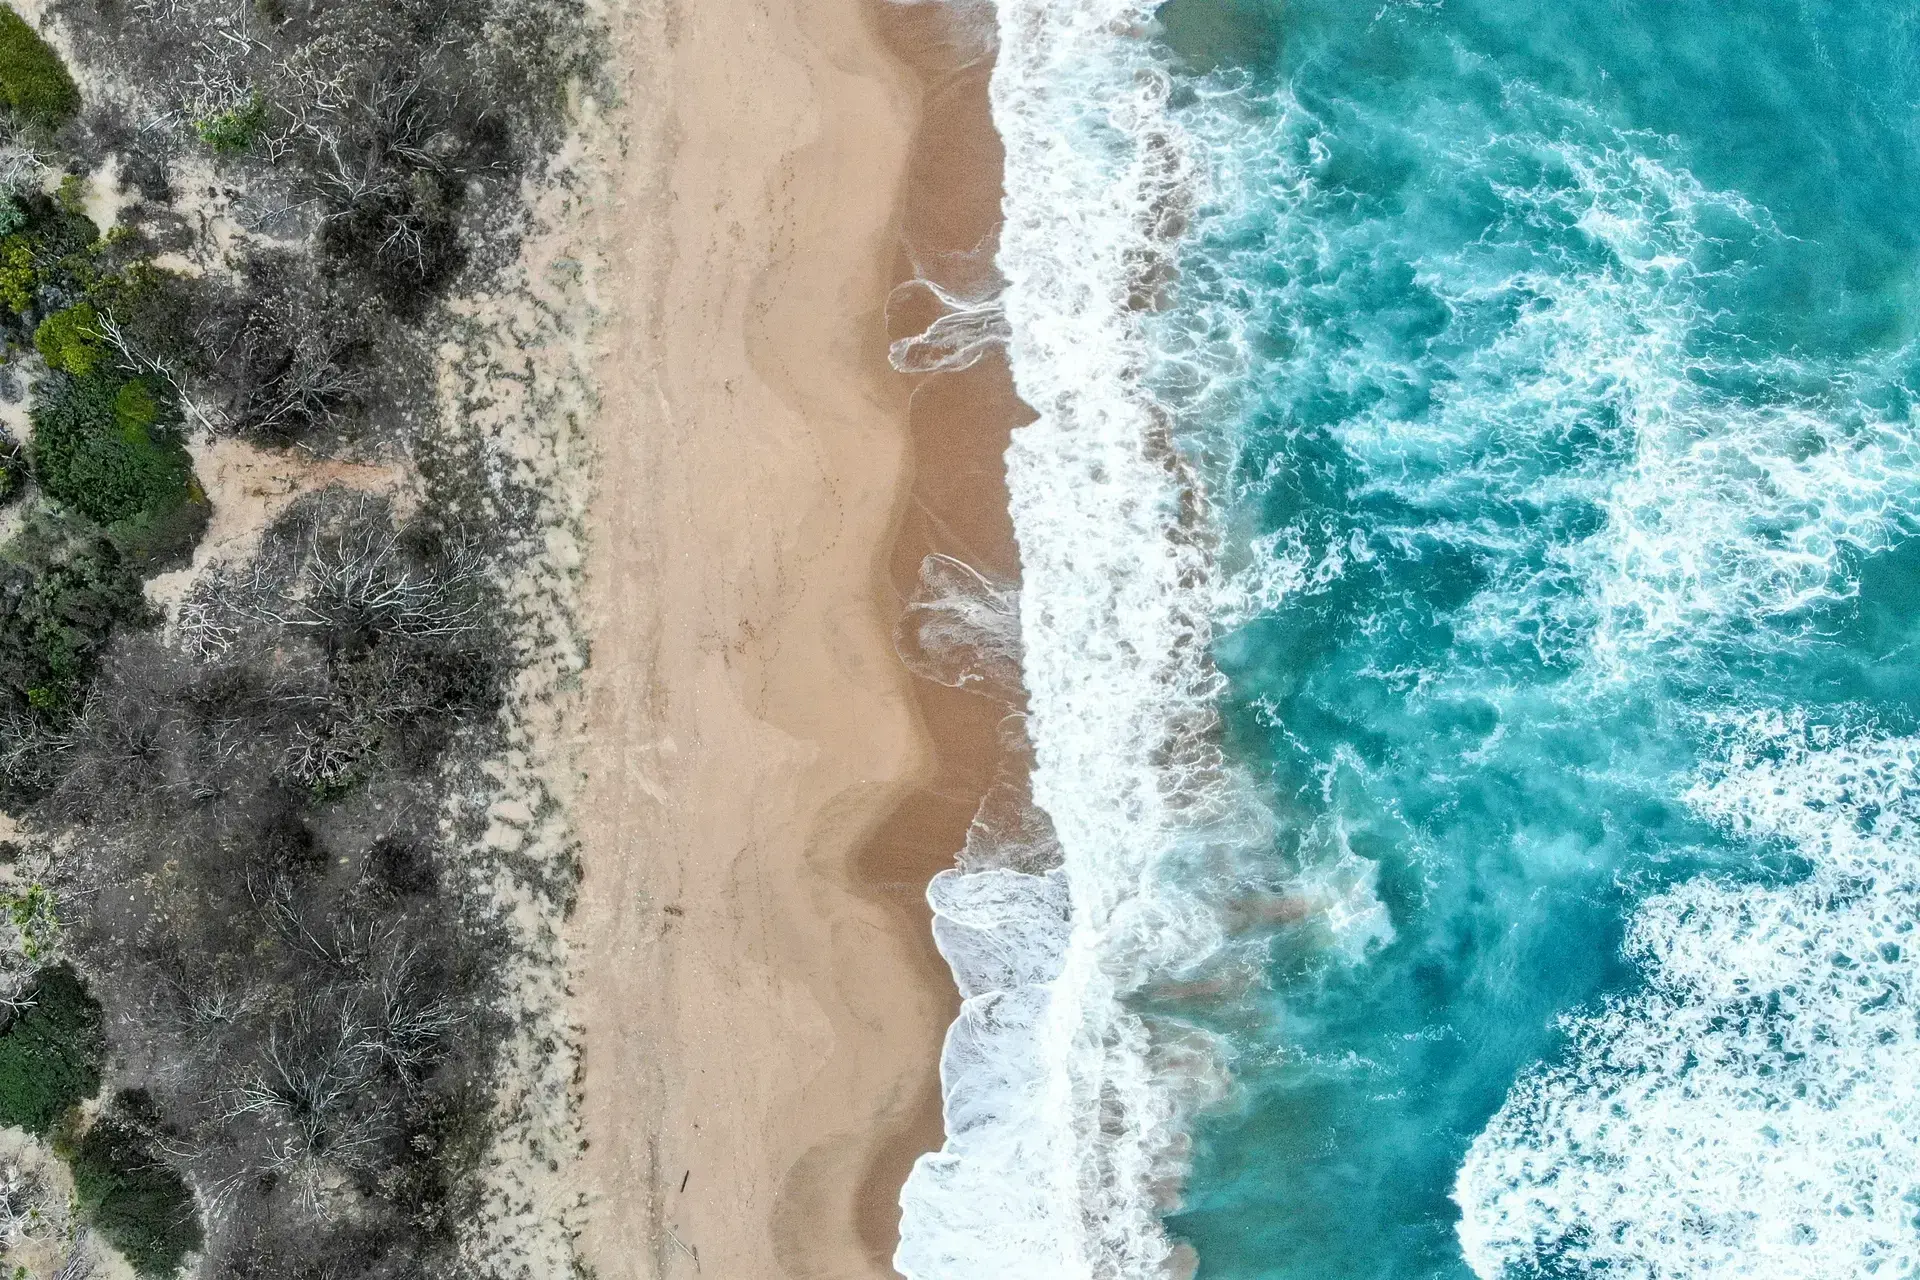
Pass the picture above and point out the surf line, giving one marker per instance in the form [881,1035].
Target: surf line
[1066,1111]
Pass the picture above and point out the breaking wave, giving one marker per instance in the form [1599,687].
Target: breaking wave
[1755,1110]
[1064,1124]
[1100,872]
[1524,510]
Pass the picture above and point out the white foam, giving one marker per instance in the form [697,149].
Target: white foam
[962,629]
[1756,1110]
[968,328]
[1065,1111]
[1581,443]
[1727,521]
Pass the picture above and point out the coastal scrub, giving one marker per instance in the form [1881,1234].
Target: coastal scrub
[236,128]
[102,445]
[129,1193]
[33,80]
[50,1051]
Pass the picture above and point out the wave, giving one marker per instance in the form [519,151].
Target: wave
[1652,508]
[1594,435]
[1753,1110]
[1066,1111]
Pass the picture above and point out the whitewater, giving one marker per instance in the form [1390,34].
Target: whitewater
[1471,814]
[1062,1113]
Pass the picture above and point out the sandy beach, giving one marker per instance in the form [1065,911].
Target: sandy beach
[760,1001]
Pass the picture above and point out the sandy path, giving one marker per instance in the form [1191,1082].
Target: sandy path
[756,1006]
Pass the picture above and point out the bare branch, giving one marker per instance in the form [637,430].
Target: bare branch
[116,337]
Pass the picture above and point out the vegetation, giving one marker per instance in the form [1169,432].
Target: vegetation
[129,1193]
[47,258]
[34,921]
[236,128]
[105,446]
[70,340]
[14,469]
[17,274]
[291,950]
[33,81]
[63,590]
[295,1011]
[50,1051]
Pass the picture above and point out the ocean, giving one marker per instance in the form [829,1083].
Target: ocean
[1467,625]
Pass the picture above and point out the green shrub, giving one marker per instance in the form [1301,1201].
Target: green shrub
[59,225]
[130,1194]
[34,920]
[50,1052]
[235,128]
[18,272]
[33,80]
[59,603]
[103,446]
[70,341]
[135,407]
[71,194]
[43,241]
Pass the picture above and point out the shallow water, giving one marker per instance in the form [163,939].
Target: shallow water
[1551,369]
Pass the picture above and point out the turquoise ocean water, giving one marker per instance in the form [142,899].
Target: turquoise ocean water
[1553,370]
[1469,629]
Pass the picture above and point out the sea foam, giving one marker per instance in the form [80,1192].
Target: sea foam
[1633,484]
[1697,518]
[1650,503]
[1755,1109]
[1066,1111]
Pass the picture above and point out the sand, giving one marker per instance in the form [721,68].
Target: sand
[248,488]
[759,1001]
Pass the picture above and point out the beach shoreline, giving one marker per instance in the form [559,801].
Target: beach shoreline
[767,789]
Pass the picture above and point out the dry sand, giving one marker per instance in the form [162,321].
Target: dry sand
[760,1003]
[248,488]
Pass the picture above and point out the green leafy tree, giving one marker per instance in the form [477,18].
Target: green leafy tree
[58,605]
[19,274]
[50,1051]
[33,80]
[102,445]
[47,245]
[130,1194]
